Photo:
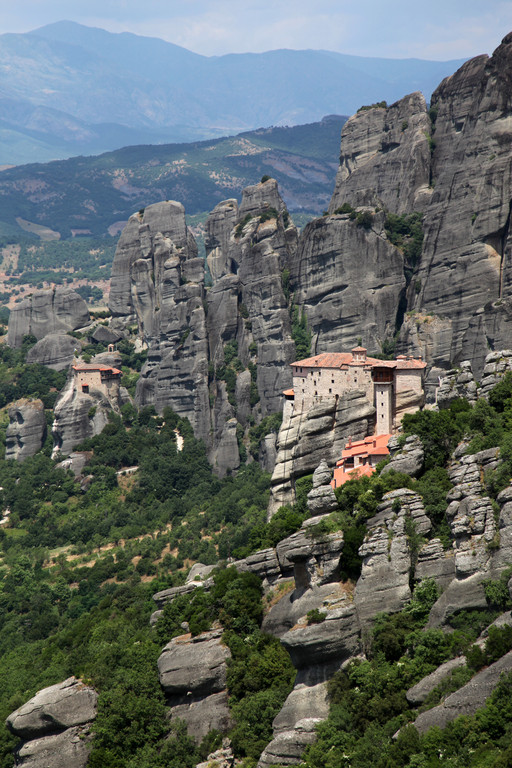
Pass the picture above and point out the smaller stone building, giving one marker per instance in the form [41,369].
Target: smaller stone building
[99,377]
[394,387]
[360,458]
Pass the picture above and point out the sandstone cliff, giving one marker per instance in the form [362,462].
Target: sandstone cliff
[26,432]
[158,285]
[56,310]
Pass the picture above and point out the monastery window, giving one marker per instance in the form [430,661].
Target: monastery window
[330,391]
[85,388]
[316,393]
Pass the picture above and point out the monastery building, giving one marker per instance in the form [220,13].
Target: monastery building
[394,387]
[100,377]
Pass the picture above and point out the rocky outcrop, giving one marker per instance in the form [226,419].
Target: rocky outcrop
[26,432]
[407,458]
[54,726]
[78,414]
[55,350]
[57,310]
[385,158]
[307,438]
[497,364]
[348,279]
[457,383]
[384,584]
[467,699]
[419,692]
[470,513]
[158,286]
[435,562]
[192,672]
[321,498]
[316,649]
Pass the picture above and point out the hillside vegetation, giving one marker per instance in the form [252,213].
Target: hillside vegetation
[79,566]
[96,195]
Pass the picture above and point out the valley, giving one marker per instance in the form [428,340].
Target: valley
[175,556]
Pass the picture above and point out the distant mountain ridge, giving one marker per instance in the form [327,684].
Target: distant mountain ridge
[69,89]
[96,195]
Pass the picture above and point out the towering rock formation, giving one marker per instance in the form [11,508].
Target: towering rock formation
[349,280]
[158,286]
[465,270]
[385,158]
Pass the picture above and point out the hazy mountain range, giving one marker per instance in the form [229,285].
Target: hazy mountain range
[96,195]
[67,89]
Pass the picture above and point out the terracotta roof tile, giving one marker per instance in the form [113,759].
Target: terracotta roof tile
[341,359]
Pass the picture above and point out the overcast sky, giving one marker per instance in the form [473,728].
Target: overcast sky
[436,29]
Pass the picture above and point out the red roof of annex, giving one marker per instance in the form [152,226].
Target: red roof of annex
[344,359]
[104,368]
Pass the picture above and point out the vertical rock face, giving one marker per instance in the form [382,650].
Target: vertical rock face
[52,311]
[465,271]
[158,286]
[385,158]
[349,281]
[26,432]
[307,438]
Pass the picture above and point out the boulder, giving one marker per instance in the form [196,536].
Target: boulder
[60,750]
[419,692]
[26,432]
[105,335]
[55,350]
[336,638]
[56,708]
[57,310]
[467,699]
[194,664]
[408,458]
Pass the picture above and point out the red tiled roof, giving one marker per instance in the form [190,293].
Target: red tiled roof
[100,368]
[372,445]
[340,477]
[411,362]
[326,360]
[342,359]
[288,392]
